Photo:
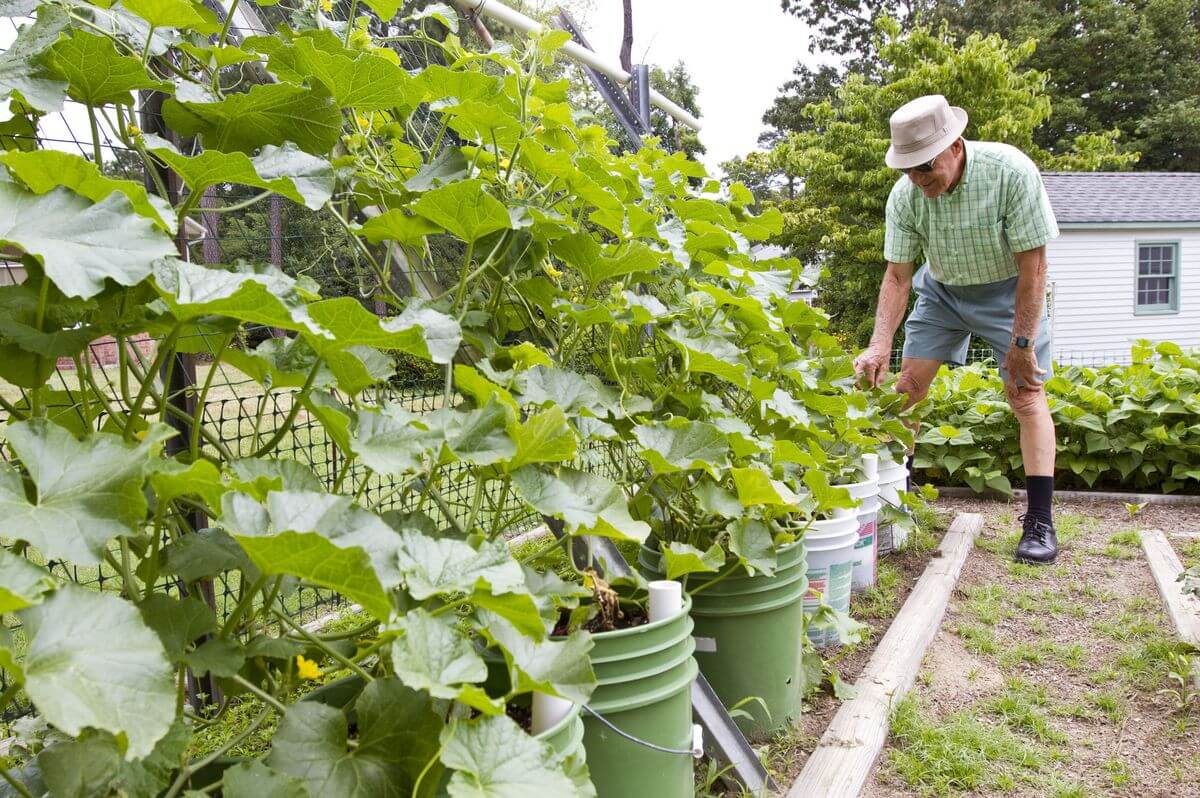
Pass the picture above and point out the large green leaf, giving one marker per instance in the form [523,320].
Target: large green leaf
[80,244]
[271,113]
[397,737]
[286,170]
[545,437]
[434,566]
[22,584]
[492,757]
[751,541]
[557,667]
[42,170]
[96,73]
[681,559]
[711,354]
[92,765]
[582,253]
[476,436]
[253,779]
[398,226]
[184,14]
[85,492]
[261,296]
[177,622]
[755,486]
[391,440]
[682,445]
[92,661]
[463,208]
[434,656]
[587,503]
[419,329]
[23,66]
[362,81]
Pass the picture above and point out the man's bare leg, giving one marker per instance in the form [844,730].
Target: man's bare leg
[1039,544]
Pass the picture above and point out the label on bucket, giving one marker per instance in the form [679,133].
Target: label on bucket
[866,535]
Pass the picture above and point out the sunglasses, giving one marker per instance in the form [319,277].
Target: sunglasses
[924,167]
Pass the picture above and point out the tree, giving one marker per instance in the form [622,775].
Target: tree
[786,114]
[677,84]
[837,219]
[1133,65]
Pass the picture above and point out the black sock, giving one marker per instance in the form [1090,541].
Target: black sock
[1039,493]
[908,483]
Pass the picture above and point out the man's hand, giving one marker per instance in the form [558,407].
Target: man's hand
[1023,369]
[872,365]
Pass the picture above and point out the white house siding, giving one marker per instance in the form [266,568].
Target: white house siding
[1093,271]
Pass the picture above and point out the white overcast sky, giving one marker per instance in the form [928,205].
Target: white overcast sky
[738,52]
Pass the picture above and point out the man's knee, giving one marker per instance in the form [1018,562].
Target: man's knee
[1026,402]
[914,386]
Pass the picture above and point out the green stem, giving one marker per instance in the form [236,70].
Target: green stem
[146,49]
[498,508]
[550,546]
[432,760]
[720,577]
[198,416]
[168,346]
[462,280]
[265,697]
[91,113]
[24,792]
[329,650]
[35,401]
[357,631]
[244,604]
[286,427]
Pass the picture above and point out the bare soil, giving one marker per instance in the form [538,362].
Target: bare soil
[1072,659]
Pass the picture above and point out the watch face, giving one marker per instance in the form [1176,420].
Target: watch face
[1022,342]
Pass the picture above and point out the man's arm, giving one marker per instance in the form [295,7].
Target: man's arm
[1022,365]
[889,312]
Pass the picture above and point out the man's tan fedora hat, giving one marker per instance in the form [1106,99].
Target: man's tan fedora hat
[922,129]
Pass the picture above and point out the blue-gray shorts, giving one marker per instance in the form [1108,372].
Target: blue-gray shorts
[946,316]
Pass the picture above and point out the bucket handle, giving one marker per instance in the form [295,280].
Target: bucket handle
[696,751]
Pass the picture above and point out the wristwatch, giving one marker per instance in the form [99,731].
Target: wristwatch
[1020,342]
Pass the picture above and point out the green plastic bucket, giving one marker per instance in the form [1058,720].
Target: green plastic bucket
[645,677]
[830,549]
[748,631]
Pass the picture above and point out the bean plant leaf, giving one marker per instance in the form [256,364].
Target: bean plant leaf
[271,113]
[96,73]
[588,503]
[253,779]
[22,584]
[76,677]
[397,736]
[492,757]
[43,170]
[81,244]
[463,208]
[85,492]
[556,667]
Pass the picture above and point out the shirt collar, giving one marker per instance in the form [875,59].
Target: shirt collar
[969,149]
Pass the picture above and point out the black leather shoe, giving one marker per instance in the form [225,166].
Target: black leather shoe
[1039,543]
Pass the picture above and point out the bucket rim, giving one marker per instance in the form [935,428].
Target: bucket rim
[646,628]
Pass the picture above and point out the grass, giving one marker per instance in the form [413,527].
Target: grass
[985,603]
[961,753]
[976,638]
[1021,707]
[882,599]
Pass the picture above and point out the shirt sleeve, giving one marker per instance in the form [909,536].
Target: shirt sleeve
[1028,218]
[901,242]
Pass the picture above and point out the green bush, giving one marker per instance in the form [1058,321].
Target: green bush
[1130,427]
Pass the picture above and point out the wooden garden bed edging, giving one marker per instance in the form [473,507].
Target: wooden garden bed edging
[847,751]
[1183,608]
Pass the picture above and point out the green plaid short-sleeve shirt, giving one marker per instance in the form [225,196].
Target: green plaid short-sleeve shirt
[969,235]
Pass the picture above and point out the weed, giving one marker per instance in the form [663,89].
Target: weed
[977,639]
[1111,704]
[1118,773]
[1028,653]
[1021,570]
[984,603]
[1072,790]
[1114,552]
[1073,657]
[1147,666]
[881,600]
[1020,707]
[961,753]
[1127,626]
[1126,538]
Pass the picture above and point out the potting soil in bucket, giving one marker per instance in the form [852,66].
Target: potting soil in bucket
[829,550]
[866,550]
[644,676]
[748,632]
[893,480]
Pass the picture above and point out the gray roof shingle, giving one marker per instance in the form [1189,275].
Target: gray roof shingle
[1081,197]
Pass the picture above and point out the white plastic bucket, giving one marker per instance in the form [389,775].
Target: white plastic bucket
[829,551]
[866,549]
[893,480]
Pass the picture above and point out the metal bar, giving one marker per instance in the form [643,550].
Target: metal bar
[581,53]
[616,99]
[723,738]
[641,91]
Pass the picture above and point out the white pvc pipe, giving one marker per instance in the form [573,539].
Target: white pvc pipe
[666,600]
[515,19]
[548,710]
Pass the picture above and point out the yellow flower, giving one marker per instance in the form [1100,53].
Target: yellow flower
[504,162]
[363,121]
[140,434]
[306,668]
[327,6]
[551,271]
[134,131]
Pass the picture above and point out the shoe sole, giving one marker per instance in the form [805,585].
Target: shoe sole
[1027,561]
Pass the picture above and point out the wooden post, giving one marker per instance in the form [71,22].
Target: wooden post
[847,751]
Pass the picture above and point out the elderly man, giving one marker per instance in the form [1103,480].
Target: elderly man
[979,214]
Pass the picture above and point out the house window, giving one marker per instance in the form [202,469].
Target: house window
[1157,278]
